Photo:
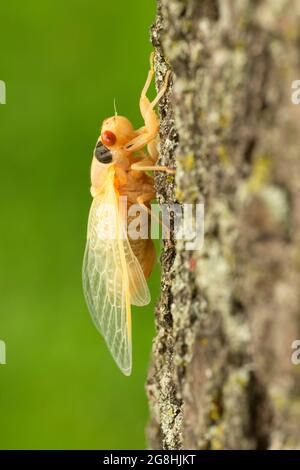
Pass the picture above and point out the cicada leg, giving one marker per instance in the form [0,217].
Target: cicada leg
[150,130]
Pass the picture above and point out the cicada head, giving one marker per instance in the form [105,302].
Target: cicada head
[116,132]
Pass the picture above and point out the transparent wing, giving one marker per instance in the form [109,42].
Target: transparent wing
[112,277]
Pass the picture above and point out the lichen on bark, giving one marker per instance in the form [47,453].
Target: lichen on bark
[221,375]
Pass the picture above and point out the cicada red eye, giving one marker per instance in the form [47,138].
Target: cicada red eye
[108,138]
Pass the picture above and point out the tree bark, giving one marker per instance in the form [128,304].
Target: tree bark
[221,374]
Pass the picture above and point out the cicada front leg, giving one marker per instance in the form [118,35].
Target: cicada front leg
[147,134]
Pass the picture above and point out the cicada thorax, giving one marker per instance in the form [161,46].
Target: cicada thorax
[128,186]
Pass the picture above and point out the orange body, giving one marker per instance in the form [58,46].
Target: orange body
[133,184]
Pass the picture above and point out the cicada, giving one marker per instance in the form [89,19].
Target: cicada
[115,267]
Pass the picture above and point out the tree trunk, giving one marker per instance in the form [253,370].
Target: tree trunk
[221,374]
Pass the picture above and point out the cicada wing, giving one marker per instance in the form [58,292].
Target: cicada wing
[139,291]
[105,280]
[112,277]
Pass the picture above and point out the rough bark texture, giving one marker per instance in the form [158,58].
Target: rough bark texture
[221,374]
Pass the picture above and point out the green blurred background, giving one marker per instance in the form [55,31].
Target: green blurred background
[63,64]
